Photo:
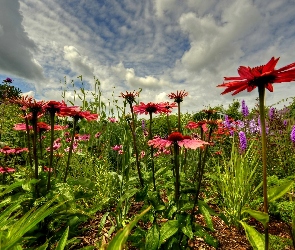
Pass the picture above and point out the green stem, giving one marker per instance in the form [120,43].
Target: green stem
[177,176]
[71,148]
[179,121]
[52,114]
[152,151]
[261,91]
[135,147]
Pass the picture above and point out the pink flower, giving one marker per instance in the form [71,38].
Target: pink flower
[150,108]
[76,112]
[112,120]
[176,137]
[117,147]
[7,150]
[6,170]
[97,135]
[193,125]
[46,169]
[120,152]
[21,127]
[85,137]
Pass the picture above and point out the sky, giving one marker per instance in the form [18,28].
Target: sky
[157,46]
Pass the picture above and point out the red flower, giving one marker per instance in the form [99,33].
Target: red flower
[265,75]
[150,107]
[6,170]
[170,106]
[181,140]
[54,106]
[75,112]
[178,96]
[21,126]
[129,96]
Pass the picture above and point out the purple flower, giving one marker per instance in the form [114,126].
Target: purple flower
[285,123]
[271,113]
[243,141]
[8,80]
[292,135]
[245,110]
[227,122]
[143,124]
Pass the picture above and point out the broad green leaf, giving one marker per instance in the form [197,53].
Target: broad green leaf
[119,240]
[63,240]
[210,240]
[255,238]
[277,192]
[167,230]
[258,215]
[152,238]
[206,214]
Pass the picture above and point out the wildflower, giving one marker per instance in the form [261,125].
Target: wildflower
[292,135]
[97,135]
[6,170]
[7,150]
[54,106]
[264,75]
[243,141]
[46,169]
[85,137]
[21,127]
[271,113]
[76,113]
[285,122]
[117,147]
[178,96]
[150,108]
[176,137]
[8,80]
[170,106]
[112,120]
[129,96]
[245,110]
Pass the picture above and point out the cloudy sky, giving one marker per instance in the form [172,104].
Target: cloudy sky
[159,46]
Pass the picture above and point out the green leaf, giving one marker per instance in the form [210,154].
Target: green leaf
[255,238]
[277,192]
[258,215]
[167,230]
[210,240]
[206,213]
[63,240]
[152,238]
[119,240]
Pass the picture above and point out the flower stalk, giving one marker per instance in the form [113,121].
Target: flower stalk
[261,91]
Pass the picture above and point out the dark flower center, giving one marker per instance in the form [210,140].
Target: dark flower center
[175,136]
[262,80]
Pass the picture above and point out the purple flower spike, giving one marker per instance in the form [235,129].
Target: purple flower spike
[245,110]
[243,141]
[271,113]
[8,80]
[292,135]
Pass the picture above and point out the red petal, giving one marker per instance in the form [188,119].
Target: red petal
[270,66]
[245,72]
[269,87]
[289,66]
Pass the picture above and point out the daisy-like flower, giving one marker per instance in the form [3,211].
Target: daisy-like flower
[129,96]
[112,120]
[178,96]
[181,140]
[21,127]
[170,106]
[149,108]
[264,75]
[117,147]
[193,125]
[76,113]
[6,170]
[55,106]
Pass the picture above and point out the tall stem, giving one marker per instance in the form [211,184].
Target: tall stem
[261,91]
[179,121]
[71,148]
[34,123]
[52,114]
[177,176]
[135,147]
[152,151]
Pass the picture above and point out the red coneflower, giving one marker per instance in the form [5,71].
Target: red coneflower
[129,96]
[178,96]
[149,108]
[264,75]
